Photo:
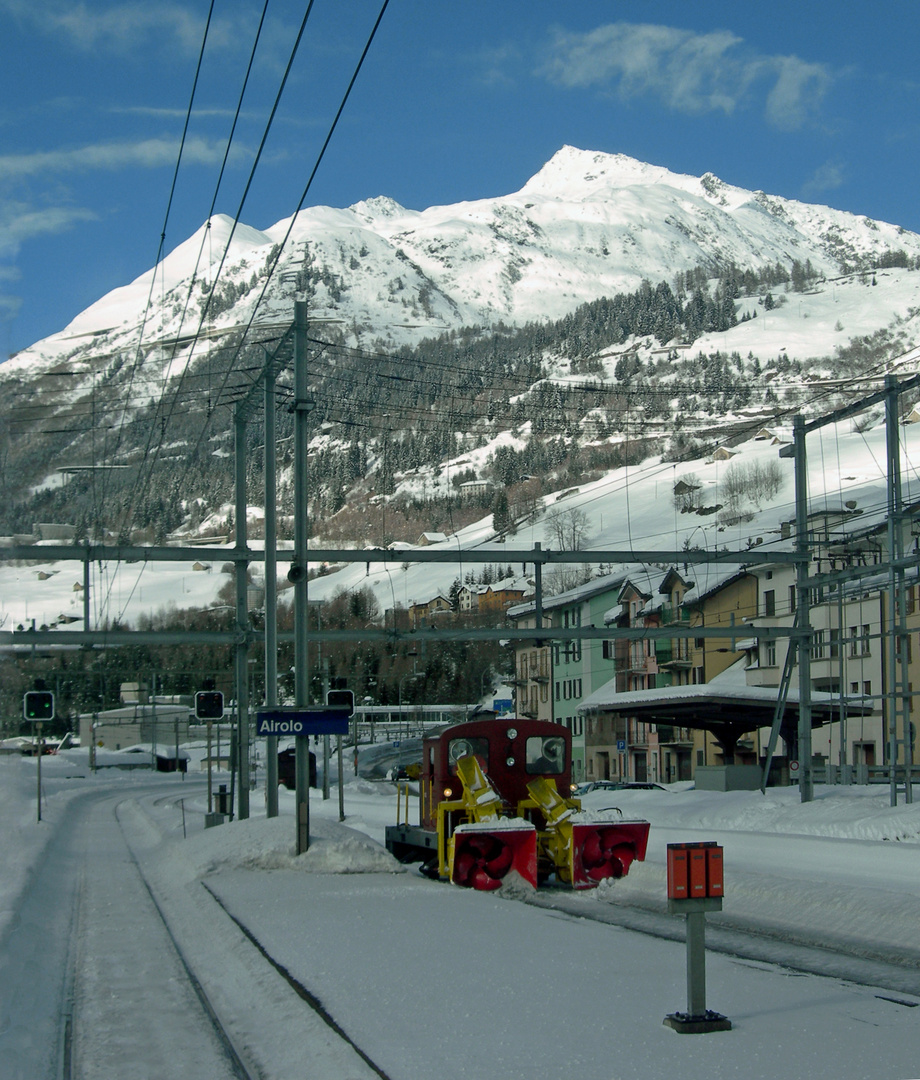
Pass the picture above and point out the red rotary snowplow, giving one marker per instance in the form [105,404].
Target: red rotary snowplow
[508,823]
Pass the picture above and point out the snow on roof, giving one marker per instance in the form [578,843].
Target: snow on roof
[571,596]
[729,685]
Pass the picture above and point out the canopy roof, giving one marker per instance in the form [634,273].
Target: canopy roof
[726,706]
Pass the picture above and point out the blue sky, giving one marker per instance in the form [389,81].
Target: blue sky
[456,101]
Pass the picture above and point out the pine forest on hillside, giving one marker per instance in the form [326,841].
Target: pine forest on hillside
[613,382]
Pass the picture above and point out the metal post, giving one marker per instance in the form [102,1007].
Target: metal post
[271,595]
[338,759]
[210,797]
[242,618]
[696,963]
[897,659]
[806,783]
[86,583]
[303,404]
[327,746]
[841,678]
[38,770]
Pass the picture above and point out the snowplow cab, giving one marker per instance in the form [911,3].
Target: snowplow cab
[511,752]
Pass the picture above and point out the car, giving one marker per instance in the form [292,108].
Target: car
[579,790]
[596,785]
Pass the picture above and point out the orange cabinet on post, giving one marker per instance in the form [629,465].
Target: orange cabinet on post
[695,871]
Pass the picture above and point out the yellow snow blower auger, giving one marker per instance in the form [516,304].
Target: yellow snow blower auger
[487,850]
[583,849]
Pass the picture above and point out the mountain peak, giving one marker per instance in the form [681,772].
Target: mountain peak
[378,207]
[572,171]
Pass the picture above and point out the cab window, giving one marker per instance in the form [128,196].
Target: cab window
[544,754]
[458,748]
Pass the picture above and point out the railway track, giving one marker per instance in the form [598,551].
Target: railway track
[113,965]
[896,971]
[132,999]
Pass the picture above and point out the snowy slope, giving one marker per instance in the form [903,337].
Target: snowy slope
[628,508]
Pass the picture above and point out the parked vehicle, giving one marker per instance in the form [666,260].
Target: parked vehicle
[491,810]
[615,785]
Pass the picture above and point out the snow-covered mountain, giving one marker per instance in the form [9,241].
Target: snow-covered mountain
[587,225]
[149,379]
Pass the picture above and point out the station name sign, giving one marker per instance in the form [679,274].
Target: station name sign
[294,720]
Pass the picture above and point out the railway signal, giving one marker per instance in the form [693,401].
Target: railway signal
[209,705]
[341,699]
[38,705]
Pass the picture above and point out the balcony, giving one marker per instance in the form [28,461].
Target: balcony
[673,659]
[676,663]
[674,615]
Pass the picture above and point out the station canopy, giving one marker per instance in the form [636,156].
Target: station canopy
[726,706]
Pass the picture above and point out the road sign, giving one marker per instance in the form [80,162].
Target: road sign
[293,720]
[793,768]
[621,745]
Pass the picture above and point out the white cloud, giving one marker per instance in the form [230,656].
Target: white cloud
[120,28]
[20,222]
[689,72]
[146,153]
[798,87]
[826,178]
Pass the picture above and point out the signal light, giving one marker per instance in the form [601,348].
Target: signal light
[38,705]
[209,705]
[341,699]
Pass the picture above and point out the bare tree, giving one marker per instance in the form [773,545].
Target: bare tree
[566,530]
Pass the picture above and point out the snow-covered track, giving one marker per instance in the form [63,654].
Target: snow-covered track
[783,946]
[237,1067]
[310,998]
[278,1032]
[136,999]
[92,982]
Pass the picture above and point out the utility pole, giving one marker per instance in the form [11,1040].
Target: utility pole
[271,594]
[806,783]
[303,406]
[242,616]
[895,697]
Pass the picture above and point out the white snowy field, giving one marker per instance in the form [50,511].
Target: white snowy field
[428,979]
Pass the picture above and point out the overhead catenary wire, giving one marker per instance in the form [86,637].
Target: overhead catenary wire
[204,312]
[172,190]
[306,189]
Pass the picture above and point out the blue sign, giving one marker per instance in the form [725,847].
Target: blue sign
[293,720]
[621,745]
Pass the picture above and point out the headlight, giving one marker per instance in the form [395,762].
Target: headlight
[448,792]
[509,762]
[511,733]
